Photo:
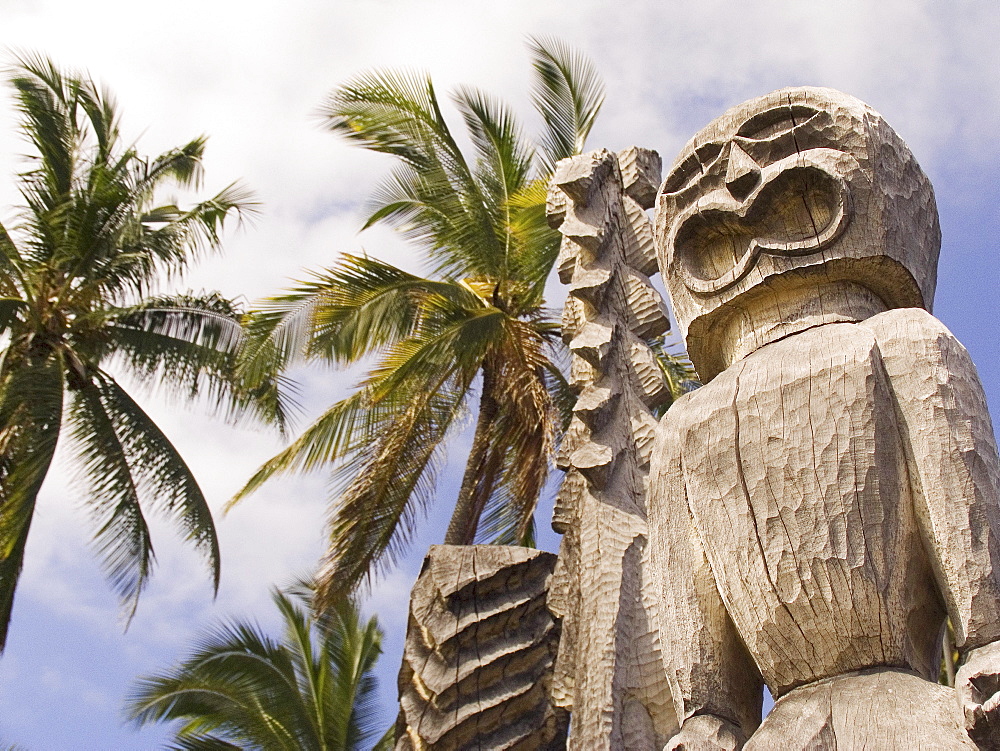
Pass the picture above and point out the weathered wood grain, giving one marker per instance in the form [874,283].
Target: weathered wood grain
[879,708]
[824,188]
[609,671]
[831,494]
[480,645]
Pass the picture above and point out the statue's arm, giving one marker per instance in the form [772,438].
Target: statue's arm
[953,464]
[715,686]
[955,478]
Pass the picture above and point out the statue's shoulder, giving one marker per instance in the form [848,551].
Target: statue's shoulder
[906,324]
[916,347]
[693,407]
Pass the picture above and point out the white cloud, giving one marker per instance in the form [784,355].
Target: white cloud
[253,77]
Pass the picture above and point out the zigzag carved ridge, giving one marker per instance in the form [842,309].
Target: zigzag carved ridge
[479,652]
[598,202]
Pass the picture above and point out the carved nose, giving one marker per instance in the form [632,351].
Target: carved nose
[743,173]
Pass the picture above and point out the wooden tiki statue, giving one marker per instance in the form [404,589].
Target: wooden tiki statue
[830,496]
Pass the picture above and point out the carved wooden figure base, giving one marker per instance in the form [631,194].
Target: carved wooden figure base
[880,708]
[480,644]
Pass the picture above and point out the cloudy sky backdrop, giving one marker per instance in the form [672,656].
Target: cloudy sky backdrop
[253,76]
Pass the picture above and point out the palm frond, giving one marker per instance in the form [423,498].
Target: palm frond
[680,374]
[89,242]
[503,166]
[456,341]
[10,308]
[48,102]
[238,683]
[122,535]
[102,111]
[312,670]
[330,436]
[207,320]
[504,156]
[310,691]
[386,484]
[561,394]
[451,221]
[568,93]
[523,433]
[277,333]
[433,196]
[534,244]
[165,240]
[350,648]
[189,345]
[384,436]
[11,276]
[387,741]
[347,312]
[393,112]
[183,164]
[31,400]
[159,471]
[206,742]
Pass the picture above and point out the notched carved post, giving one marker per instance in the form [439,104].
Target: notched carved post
[480,645]
[609,672]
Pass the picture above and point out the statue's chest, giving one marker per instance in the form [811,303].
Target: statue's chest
[792,463]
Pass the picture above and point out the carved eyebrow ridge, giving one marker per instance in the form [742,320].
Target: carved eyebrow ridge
[768,123]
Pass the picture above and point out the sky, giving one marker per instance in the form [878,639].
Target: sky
[253,77]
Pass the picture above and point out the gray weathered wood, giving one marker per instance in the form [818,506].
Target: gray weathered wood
[480,645]
[825,190]
[873,709]
[831,494]
[609,671]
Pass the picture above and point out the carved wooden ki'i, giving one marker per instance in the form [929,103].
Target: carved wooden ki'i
[609,673]
[480,644]
[809,518]
[831,493]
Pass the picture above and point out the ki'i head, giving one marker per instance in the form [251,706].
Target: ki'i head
[793,209]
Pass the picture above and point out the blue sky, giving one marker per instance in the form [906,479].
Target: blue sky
[252,78]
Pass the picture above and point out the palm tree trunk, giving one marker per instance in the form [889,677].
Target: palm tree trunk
[477,483]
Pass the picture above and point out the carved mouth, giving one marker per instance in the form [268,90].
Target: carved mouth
[798,212]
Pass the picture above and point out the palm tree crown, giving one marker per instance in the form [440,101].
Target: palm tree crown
[314,690]
[478,318]
[77,270]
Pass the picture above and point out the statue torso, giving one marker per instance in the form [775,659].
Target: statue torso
[796,479]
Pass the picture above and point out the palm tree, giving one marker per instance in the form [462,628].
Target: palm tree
[241,689]
[77,270]
[478,318]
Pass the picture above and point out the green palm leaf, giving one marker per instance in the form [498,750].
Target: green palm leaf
[10,309]
[387,481]
[189,346]
[76,269]
[240,688]
[122,538]
[472,333]
[161,473]
[31,399]
[568,94]
[433,196]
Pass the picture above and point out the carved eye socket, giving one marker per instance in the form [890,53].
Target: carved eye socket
[774,122]
[684,173]
[691,167]
[708,152]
